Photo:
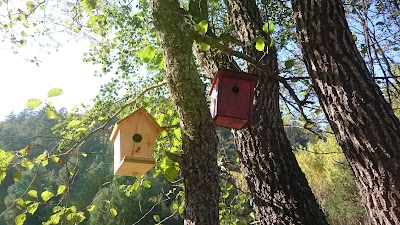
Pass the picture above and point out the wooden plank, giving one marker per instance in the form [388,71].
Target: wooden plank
[134,166]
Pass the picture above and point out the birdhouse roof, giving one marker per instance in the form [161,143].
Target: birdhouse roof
[228,73]
[141,112]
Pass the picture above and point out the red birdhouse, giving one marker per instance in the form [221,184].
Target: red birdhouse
[232,98]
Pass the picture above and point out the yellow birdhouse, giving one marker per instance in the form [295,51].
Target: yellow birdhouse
[134,138]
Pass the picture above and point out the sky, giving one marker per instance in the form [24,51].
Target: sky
[21,80]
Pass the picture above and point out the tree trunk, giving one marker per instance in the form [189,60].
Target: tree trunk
[279,190]
[199,160]
[280,193]
[363,122]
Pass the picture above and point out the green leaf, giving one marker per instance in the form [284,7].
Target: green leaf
[146,184]
[80,216]
[74,123]
[91,208]
[202,27]
[24,34]
[57,208]
[175,206]
[17,176]
[33,193]
[177,133]
[260,43]
[289,63]
[364,49]
[54,219]
[156,218]
[32,208]
[61,189]
[205,47]
[51,113]
[21,202]
[71,209]
[45,162]
[46,195]
[5,159]
[26,163]
[42,7]
[84,154]
[269,27]
[171,173]
[89,4]
[113,212]
[33,103]
[136,185]
[55,159]
[354,37]
[181,209]
[20,219]
[54,92]
[147,54]
[81,129]
[40,158]
[30,6]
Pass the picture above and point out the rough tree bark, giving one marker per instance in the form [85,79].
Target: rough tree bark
[363,122]
[279,190]
[199,161]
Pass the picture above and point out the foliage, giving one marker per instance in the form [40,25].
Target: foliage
[331,180]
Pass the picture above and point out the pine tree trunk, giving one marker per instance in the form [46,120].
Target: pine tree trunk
[363,122]
[279,190]
[199,161]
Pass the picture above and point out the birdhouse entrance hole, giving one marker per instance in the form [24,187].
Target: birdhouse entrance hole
[137,138]
[235,89]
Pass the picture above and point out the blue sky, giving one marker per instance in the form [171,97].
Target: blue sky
[21,80]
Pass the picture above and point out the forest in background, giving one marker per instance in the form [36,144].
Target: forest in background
[321,160]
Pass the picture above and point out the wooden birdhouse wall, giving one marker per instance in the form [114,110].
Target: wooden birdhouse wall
[143,148]
[117,154]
